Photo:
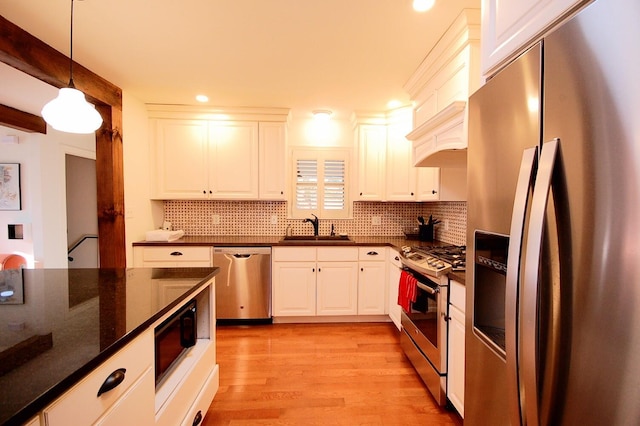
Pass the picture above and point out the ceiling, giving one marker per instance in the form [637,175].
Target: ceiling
[341,55]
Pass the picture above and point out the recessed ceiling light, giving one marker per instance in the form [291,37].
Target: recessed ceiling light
[202,98]
[322,114]
[423,5]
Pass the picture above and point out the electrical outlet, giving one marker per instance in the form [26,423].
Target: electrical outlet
[274,219]
[215,219]
[376,220]
[446,224]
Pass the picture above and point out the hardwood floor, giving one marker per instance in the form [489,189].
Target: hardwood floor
[319,374]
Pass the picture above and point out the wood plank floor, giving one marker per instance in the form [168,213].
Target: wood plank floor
[319,374]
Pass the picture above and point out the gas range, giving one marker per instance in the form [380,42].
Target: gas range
[434,261]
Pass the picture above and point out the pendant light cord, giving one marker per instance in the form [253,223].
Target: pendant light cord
[71,52]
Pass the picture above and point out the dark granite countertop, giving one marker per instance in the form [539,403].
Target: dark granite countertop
[60,324]
[274,241]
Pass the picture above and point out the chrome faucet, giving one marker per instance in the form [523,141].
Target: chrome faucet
[315,222]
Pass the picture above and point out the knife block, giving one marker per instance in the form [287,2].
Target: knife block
[425,232]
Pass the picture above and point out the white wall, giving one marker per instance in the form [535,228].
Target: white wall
[141,214]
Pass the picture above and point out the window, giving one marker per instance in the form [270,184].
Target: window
[320,184]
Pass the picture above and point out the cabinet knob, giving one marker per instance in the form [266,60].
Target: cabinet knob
[281,192]
[361,269]
[176,253]
[313,269]
[319,269]
[412,193]
[361,194]
[433,191]
[197,419]
[112,381]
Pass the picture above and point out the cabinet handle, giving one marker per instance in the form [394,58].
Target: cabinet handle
[397,258]
[197,419]
[433,191]
[112,381]
[313,269]
[176,253]
[372,253]
[204,192]
[361,269]
[361,194]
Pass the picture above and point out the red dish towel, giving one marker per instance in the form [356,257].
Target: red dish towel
[407,290]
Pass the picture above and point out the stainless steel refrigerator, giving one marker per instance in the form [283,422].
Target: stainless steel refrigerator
[553,267]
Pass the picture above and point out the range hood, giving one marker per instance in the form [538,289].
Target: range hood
[441,141]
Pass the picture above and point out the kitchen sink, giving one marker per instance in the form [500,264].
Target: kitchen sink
[322,239]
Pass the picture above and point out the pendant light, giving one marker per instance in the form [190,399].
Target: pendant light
[70,112]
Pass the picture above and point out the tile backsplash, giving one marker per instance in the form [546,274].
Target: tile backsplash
[256,217]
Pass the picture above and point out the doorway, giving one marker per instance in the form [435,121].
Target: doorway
[82,212]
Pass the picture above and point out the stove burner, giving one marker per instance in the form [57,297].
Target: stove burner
[454,255]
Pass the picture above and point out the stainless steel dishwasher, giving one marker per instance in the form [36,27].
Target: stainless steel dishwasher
[243,285]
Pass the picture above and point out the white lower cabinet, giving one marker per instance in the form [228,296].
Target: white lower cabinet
[329,281]
[456,354]
[178,256]
[372,284]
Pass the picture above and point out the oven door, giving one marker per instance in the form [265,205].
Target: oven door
[426,323]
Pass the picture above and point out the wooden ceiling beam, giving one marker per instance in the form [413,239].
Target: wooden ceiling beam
[20,120]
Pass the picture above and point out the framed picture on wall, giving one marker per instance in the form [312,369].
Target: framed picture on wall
[11,287]
[10,186]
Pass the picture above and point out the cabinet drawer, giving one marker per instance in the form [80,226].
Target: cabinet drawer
[294,254]
[176,254]
[82,405]
[337,254]
[457,295]
[199,408]
[372,253]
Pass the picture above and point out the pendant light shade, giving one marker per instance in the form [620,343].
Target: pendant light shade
[70,112]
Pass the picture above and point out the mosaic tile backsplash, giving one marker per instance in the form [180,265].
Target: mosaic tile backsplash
[255,218]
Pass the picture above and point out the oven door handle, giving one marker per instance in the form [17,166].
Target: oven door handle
[427,288]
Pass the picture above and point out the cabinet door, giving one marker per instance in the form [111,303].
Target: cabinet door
[372,142]
[233,160]
[393,282]
[372,295]
[294,288]
[456,354]
[180,166]
[401,175]
[428,183]
[509,26]
[272,167]
[337,290]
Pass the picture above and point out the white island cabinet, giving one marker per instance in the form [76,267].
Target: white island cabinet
[181,398]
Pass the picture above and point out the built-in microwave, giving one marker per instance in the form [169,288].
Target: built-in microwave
[173,337]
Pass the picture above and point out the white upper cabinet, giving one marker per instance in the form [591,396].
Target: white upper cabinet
[509,26]
[401,175]
[180,161]
[372,144]
[233,160]
[272,165]
[197,155]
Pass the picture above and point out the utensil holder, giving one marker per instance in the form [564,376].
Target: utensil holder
[425,232]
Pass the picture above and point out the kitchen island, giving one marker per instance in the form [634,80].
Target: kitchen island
[61,325]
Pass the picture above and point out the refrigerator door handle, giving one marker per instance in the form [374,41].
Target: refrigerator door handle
[526,179]
[530,345]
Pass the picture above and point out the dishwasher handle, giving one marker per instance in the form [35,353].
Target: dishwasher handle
[241,252]
[241,256]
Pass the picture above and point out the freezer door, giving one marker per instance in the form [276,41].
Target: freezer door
[592,105]
[504,121]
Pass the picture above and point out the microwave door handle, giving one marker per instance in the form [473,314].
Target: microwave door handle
[526,178]
[187,329]
[530,344]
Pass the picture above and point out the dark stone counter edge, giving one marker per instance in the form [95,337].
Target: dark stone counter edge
[56,391]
